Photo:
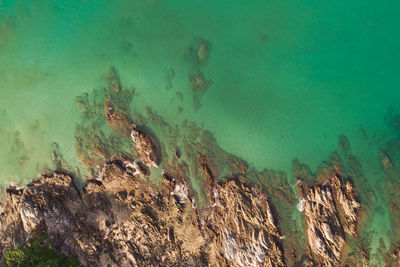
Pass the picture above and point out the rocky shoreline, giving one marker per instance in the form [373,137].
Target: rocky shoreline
[121,219]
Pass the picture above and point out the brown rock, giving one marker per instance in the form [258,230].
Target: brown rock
[347,204]
[329,208]
[246,231]
[146,148]
[120,219]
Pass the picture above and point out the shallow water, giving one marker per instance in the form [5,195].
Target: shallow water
[287,79]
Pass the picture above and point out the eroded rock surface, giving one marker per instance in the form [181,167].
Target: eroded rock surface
[120,219]
[331,210]
[146,147]
[245,226]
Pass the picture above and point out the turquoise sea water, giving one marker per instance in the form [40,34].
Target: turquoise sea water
[288,78]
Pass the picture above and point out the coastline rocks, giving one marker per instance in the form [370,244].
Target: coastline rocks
[324,233]
[51,202]
[119,218]
[331,209]
[177,188]
[146,148]
[244,225]
[347,204]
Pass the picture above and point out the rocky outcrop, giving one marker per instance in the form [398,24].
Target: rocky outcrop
[324,232]
[330,210]
[347,204]
[121,219]
[244,225]
[146,147]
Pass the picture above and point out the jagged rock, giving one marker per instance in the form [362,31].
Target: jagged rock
[208,172]
[246,231]
[331,209]
[120,219]
[347,203]
[324,233]
[146,148]
[178,187]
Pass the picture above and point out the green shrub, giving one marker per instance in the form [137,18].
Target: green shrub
[37,253]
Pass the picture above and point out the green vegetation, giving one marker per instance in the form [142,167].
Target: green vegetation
[37,253]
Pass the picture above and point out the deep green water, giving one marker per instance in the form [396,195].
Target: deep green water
[288,78]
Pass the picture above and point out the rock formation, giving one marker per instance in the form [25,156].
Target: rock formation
[146,147]
[245,226]
[331,209]
[120,219]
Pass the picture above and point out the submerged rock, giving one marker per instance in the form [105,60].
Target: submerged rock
[146,147]
[114,83]
[344,143]
[199,52]
[199,82]
[117,120]
[386,161]
[120,219]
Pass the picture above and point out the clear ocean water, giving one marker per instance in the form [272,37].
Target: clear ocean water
[288,78]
